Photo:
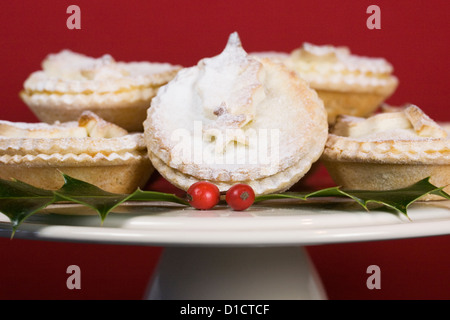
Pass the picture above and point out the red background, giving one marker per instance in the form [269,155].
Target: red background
[413,37]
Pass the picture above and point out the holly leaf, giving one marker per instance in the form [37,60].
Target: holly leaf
[140,195]
[398,199]
[84,193]
[103,202]
[19,200]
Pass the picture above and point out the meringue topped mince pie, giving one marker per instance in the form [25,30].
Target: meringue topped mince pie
[92,150]
[119,92]
[236,118]
[347,83]
[388,151]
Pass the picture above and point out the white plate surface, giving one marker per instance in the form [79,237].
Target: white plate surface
[271,224]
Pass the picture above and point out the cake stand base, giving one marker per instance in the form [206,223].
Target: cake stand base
[223,273]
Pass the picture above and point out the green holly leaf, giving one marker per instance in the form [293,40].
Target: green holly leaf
[103,202]
[140,195]
[399,199]
[84,193]
[19,200]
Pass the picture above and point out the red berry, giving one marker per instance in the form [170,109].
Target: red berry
[203,195]
[240,196]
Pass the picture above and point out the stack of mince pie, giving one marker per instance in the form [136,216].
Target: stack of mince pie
[262,119]
[236,118]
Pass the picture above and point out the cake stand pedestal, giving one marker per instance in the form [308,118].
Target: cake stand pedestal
[265,273]
[222,254]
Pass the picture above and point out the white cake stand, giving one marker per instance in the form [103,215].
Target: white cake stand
[221,254]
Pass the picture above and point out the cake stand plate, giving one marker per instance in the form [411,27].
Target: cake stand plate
[223,254]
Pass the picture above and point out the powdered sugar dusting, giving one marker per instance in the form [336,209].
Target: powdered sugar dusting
[411,123]
[71,72]
[235,117]
[336,68]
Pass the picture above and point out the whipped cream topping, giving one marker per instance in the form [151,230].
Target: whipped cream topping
[411,123]
[70,72]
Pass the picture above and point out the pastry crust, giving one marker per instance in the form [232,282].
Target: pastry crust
[445,126]
[359,104]
[119,92]
[276,56]
[348,84]
[388,151]
[37,153]
[210,120]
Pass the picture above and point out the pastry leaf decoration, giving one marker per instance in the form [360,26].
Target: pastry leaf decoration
[19,200]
